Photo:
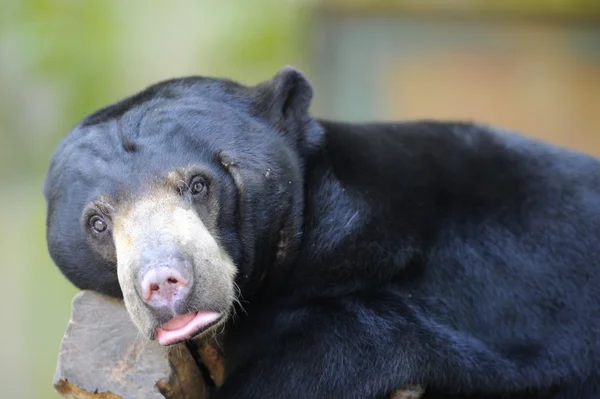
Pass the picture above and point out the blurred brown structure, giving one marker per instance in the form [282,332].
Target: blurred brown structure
[533,66]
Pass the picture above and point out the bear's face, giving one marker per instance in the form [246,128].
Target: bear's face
[182,197]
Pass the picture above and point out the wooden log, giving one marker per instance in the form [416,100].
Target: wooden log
[102,356]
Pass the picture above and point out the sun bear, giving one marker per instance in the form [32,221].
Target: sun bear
[335,260]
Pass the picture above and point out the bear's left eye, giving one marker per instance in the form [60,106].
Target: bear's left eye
[98,224]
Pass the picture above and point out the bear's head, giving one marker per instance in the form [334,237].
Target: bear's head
[183,197]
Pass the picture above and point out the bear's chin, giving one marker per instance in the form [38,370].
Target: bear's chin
[187,326]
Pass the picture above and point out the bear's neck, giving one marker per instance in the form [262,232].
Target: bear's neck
[343,212]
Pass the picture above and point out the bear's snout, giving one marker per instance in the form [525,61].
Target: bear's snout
[176,280]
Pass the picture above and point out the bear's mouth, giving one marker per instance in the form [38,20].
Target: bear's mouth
[183,327]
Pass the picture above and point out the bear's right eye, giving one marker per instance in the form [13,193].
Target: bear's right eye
[98,224]
[197,185]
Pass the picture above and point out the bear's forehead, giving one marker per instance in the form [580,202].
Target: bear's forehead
[97,163]
[175,130]
[178,123]
[150,141]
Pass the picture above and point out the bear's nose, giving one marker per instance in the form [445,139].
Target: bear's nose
[165,286]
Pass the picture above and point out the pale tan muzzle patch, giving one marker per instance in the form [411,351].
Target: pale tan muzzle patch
[163,219]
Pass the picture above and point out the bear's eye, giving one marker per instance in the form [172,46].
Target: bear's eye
[197,185]
[98,224]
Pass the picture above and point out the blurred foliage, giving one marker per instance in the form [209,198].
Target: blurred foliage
[62,59]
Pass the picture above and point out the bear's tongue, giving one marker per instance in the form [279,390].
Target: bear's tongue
[185,326]
[178,322]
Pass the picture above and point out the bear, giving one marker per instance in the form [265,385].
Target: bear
[334,259]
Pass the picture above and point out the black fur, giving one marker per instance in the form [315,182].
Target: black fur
[453,255]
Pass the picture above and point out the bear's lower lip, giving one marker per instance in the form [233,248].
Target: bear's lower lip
[185,326]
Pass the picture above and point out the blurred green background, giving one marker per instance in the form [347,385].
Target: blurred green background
[528,65]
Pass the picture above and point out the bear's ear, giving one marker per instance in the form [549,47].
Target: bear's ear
[285,100]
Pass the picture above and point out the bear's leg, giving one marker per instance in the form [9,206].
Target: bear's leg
[363,347]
